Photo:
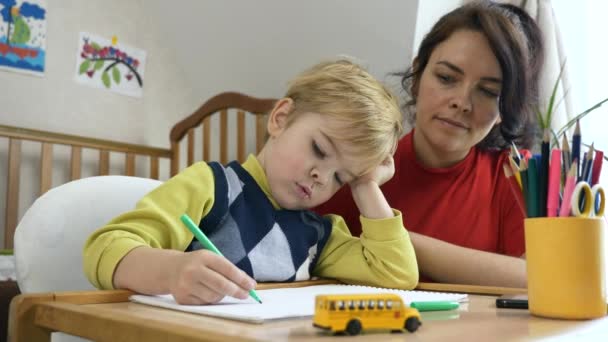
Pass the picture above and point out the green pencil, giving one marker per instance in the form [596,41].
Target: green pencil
[533,187]
[200,236]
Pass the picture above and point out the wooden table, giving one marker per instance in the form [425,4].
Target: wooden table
[109,316]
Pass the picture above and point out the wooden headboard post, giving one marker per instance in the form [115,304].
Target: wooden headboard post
[220,103]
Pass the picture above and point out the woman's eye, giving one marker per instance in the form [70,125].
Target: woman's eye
[317,150]
[489,92]
[445,78]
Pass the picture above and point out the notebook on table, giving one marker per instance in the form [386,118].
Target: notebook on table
[285,303]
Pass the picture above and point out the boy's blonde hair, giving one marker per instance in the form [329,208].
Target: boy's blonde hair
[366,112]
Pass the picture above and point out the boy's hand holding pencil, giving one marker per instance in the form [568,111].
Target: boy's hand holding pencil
[205,276]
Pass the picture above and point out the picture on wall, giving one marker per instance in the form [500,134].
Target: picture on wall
[107,64]
[23,36]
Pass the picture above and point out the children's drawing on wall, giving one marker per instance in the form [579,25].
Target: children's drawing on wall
[23,36]
[106,64]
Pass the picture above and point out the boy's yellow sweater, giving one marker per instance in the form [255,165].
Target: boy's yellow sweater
[382,256]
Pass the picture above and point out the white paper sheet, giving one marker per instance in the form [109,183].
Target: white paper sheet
[286,302]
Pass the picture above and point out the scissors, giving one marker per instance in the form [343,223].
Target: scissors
[591,198]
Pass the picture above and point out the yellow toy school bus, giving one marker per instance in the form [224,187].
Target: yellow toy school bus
[353,312]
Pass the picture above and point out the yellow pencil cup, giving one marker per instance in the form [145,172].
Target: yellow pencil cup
[566,267]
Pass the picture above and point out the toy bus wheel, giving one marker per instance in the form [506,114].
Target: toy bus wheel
[412,324]
[353,327]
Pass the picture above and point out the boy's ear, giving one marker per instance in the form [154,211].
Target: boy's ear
[277,119]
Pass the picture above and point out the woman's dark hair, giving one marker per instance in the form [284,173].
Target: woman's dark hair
[517,43]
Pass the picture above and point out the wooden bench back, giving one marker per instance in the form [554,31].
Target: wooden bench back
[47,140]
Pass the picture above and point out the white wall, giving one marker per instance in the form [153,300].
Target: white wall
[195,49]
[428,14]
[257,46]
[56,103]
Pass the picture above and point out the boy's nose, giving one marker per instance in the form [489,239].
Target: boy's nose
[319,176]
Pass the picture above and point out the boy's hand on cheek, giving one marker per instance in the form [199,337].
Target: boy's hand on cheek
[367,194]
[380,175]
[203,277]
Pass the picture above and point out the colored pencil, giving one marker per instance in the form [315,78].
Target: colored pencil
[523,170]
[514,186]
[543,173]
[515,170]
[533,189]
[576,147]
[568,188]
[515,154]
[566,161]
[588,165]
[597,167]
[553,184]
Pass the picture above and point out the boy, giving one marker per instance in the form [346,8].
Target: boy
[336,125]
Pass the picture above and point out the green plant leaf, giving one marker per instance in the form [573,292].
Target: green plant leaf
[95,46]
[555,138]
[541,119]
[580,116]
[550,109]
[98,65]
[105,78]
[116,75]
[84,66]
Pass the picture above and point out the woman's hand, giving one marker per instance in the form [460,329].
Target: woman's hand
[203,277]
[448,263]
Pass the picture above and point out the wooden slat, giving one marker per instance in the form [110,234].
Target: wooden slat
[154,167]
[174,158]
[130,164]
[75,163]
[46,167]
[190,146]
[260,132]
[104,162]
[206,138]
[66,139]
[224,136]
[12,192]
[240,133]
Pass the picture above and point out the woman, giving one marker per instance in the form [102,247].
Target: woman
[473,90]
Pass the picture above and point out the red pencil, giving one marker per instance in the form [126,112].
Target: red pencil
[597,167]
[553,184]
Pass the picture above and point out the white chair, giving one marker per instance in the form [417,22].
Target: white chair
[50,237]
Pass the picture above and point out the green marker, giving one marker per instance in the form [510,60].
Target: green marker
[434,306]
[200,236]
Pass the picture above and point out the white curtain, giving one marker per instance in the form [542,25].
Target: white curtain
[542,12]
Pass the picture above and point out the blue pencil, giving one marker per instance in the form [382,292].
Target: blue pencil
[576,147]
[543,179]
